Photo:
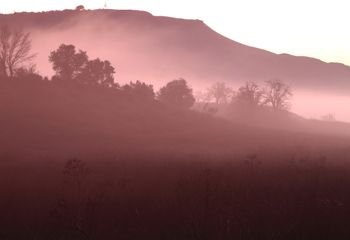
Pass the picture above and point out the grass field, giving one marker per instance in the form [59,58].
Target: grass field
[84,163]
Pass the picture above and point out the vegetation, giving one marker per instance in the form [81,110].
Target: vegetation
[140,90]
[88,158]
[71,66]
[67,63]
[220,93]
[176,94]
[15,49]
[250,95]
[277,94]
[261,195]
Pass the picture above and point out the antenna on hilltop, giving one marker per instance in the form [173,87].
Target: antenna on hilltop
[105,6]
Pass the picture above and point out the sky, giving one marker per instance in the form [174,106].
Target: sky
[315,28]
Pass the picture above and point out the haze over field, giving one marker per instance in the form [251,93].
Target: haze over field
[120,124]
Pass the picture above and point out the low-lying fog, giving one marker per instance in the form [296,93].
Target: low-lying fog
[316,105]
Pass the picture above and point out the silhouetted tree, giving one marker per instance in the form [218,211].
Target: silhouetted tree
[80,8]
[278,94]
[68,63]
[71,65]
[220,92]
[97,72]
[140,90]
[176,93]
[15,49]
[249,95]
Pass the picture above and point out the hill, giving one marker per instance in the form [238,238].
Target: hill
[43,118]
[81,161]
[163,48]
[87,162]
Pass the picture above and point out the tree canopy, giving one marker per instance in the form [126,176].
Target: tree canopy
[249,95]
[97,72]
[67,62]
[139,90]
[71,65]
[177,94]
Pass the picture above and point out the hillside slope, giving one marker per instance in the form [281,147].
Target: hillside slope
[45,119]
[163,48]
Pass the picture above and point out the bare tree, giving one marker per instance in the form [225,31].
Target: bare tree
[15,49]
[201,96]
[220,92]
[249,95]
[278,94]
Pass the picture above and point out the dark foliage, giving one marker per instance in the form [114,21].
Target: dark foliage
[138,169]
[29,74]
[176,197]
[97,72]
[67,63]
[80,8]
[249,96]
[142,170]
[176,94]
[75,67]
[140,90]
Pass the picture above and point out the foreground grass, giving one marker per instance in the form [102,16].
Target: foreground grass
[253,196]
[91,163]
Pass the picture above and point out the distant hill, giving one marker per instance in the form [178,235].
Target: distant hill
[158,49]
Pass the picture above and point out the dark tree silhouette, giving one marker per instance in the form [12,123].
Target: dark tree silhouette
[278,94]
[28,73]
[80,8]
[97,72]
[177,94]
[68,63]
[73,66]
[249,95]
[140,90]
[15,49]
[220,92]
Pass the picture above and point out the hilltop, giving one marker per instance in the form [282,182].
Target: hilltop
[164,48]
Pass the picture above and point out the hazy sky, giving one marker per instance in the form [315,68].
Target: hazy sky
[316,28]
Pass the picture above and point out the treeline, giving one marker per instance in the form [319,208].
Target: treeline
[74,67]
[275,94]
